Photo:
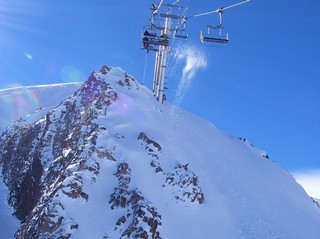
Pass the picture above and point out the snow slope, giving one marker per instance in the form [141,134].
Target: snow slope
[163,169]
[31,103]
[310,180]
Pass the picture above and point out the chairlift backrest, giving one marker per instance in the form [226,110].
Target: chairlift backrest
[181,34]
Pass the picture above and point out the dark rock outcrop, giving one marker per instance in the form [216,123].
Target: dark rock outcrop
[54,158]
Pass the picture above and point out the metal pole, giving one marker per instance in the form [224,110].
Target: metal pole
[164,57]
[156,73]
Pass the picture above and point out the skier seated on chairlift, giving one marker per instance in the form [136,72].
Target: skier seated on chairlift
[146,36]
[146,33]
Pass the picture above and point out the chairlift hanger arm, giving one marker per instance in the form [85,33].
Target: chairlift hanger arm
[156,9]
[220,9]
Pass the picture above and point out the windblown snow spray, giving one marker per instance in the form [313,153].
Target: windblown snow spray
[167,23]
[194,59]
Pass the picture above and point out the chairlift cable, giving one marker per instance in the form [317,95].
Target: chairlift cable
[235,5]
[205,13]
[168,22]
[220,9]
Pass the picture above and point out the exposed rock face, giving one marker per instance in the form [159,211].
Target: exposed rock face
[184,182]
[111,162]
[46,166]
[36,161]
[144,219]
[317,202]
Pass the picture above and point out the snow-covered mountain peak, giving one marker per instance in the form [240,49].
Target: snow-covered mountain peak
[112,162]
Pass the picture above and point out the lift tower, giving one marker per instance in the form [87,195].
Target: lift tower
[166,23]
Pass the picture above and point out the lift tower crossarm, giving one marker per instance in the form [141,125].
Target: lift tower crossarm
[220,9]
[164,24]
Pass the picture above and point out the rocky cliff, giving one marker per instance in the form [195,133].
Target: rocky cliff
[111,162]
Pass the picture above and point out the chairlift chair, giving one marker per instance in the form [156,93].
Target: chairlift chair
[181,34]
[151,40]
[214,38]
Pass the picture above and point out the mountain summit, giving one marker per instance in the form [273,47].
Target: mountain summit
[111,162]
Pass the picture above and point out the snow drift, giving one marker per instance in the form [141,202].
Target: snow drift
[111,162]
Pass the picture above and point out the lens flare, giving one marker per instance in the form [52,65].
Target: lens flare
[71,74]
[28,56]
[16,103]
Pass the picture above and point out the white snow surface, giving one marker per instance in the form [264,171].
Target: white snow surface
[246,195]
[310,180]
[28,104]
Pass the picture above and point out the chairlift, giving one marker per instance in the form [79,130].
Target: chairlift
[182,34]
[180,30]
[215,38]
[150,39]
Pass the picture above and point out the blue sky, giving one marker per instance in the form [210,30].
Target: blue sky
[263,86]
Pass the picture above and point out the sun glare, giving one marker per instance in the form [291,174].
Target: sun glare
[20,23]
[15,15]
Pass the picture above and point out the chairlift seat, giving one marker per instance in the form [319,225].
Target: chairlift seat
[181,36]
[155,41]
[214,39]
[158,42]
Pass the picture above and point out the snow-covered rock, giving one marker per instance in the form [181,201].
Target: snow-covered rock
[111,162]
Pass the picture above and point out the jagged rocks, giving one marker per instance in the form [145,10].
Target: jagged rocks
[105,69]
[53,163]
[127,82]
[152,147]
[316,201]
[121,195]
[104,153]
[23,174]
[39,162]
[144,220]
[73,188]
[48,221]
[185,183]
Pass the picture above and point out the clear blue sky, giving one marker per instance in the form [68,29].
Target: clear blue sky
[263,86]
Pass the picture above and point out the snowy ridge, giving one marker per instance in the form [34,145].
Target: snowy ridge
[111,162]
[23,105]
